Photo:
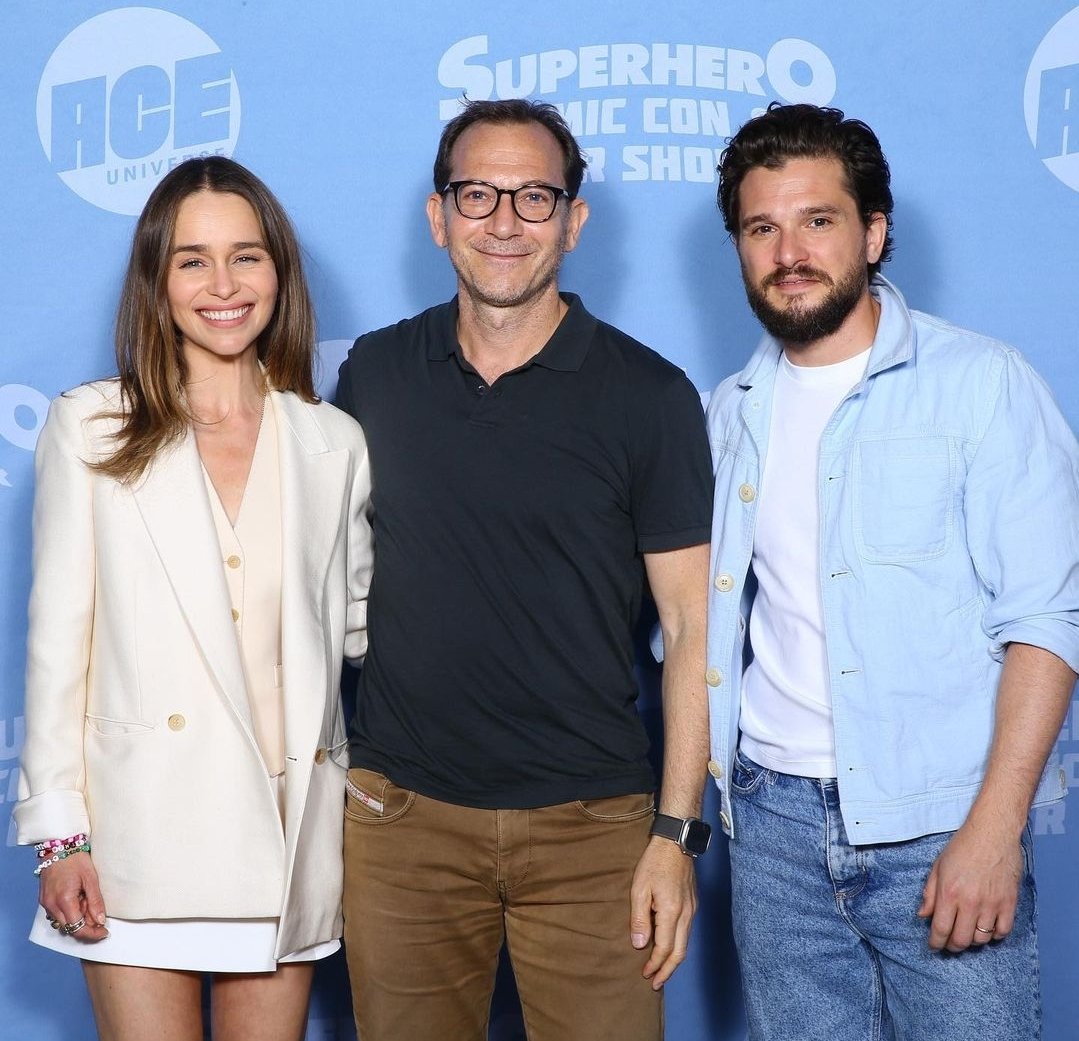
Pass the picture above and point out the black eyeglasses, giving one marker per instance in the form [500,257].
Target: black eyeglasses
[534,203]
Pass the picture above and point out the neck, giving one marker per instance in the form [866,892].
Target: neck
[858,331]
[496,340]
[222,387]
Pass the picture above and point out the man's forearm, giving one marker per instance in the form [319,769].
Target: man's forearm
[1032,700]
[679,581]
[685,723]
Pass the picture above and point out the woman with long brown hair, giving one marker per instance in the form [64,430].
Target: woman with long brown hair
[201,563]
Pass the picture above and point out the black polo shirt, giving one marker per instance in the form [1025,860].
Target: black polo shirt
[510,522]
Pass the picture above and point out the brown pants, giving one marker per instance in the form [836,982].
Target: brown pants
[431,889]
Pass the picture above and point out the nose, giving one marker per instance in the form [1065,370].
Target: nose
[790,249]
[223,281]
[504,222]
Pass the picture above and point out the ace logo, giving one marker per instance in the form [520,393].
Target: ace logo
[1051,100]
[126,96]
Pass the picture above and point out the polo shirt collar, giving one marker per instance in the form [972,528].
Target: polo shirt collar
[565,351]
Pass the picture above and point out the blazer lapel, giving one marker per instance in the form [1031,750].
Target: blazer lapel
[173,502]
[313,480]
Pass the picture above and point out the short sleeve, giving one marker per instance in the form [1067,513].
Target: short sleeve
[671,487]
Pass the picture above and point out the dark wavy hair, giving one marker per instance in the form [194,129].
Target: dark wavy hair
[151,364]
[511,111]
[787,132]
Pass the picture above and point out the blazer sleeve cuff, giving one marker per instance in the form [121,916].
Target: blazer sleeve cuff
[50,815]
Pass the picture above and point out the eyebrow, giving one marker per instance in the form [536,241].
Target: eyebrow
[200,247]
[805,211]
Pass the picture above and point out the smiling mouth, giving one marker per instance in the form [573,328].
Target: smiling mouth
[503,254]
[226,316]
[796,278]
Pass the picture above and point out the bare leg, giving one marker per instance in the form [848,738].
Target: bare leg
[132,1003]
[262,1006]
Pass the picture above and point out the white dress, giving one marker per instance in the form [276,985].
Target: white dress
[251,558]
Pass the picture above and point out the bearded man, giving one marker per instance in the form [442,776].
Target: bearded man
[893,631]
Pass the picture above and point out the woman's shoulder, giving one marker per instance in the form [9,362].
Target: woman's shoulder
[89,414]
[339,428]
[89,399]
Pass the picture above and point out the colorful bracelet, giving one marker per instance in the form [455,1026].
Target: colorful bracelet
[51,851]
[50,846]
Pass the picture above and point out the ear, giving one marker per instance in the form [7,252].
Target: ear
[436,218]
[875,232]
[578,214]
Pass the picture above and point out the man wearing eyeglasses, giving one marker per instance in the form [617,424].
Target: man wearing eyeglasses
[533,467]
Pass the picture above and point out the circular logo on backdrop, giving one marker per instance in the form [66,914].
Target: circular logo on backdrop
[22,414]
[1051,100]
[128,95]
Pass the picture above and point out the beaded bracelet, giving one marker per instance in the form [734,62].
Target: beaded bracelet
[50,846]
[51,851]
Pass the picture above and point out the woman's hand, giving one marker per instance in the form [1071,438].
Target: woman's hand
[70,893]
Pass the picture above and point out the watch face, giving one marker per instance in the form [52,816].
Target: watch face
[697,835]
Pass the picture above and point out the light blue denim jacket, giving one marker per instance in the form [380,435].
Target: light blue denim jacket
[948,487]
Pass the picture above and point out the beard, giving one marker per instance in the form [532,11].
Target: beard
[797,323]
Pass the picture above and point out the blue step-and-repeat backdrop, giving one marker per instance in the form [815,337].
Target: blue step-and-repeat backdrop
[338,105]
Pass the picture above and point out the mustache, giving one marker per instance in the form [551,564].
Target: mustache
[798,271]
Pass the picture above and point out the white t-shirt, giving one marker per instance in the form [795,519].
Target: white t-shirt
[786,716]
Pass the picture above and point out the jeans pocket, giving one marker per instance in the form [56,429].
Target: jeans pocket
[617,809]
[1026,844]
[372,798]
[746,775]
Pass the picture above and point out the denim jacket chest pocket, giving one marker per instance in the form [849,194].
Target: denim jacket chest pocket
[904,497]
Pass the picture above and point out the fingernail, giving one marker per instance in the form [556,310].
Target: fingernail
[638,940]
[100,919]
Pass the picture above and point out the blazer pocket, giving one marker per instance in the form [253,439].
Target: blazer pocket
[107,727]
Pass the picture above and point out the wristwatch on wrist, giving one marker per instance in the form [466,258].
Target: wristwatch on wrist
[691,834]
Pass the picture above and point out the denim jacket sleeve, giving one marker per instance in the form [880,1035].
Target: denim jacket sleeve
[1022,511]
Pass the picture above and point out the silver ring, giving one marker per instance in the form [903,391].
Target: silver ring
[74,927]
[55,924]
[979,929]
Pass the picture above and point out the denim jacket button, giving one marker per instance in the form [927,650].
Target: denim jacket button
[713,677]
[724,582]
[747,493]
[715,769]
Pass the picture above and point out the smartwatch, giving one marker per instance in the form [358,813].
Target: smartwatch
[691,834]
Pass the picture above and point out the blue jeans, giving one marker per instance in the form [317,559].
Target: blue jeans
[828,939]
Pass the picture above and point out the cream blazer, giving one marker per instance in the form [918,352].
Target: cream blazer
[138,728]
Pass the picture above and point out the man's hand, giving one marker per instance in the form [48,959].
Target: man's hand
[69,891]
[663,898]
[972,889]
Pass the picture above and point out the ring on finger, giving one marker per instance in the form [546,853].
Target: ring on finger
[55,924]
[73,927]
[979,929]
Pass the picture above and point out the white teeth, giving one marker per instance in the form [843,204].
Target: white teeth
[226,316]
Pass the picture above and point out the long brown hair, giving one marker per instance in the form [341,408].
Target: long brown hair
[153,370]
